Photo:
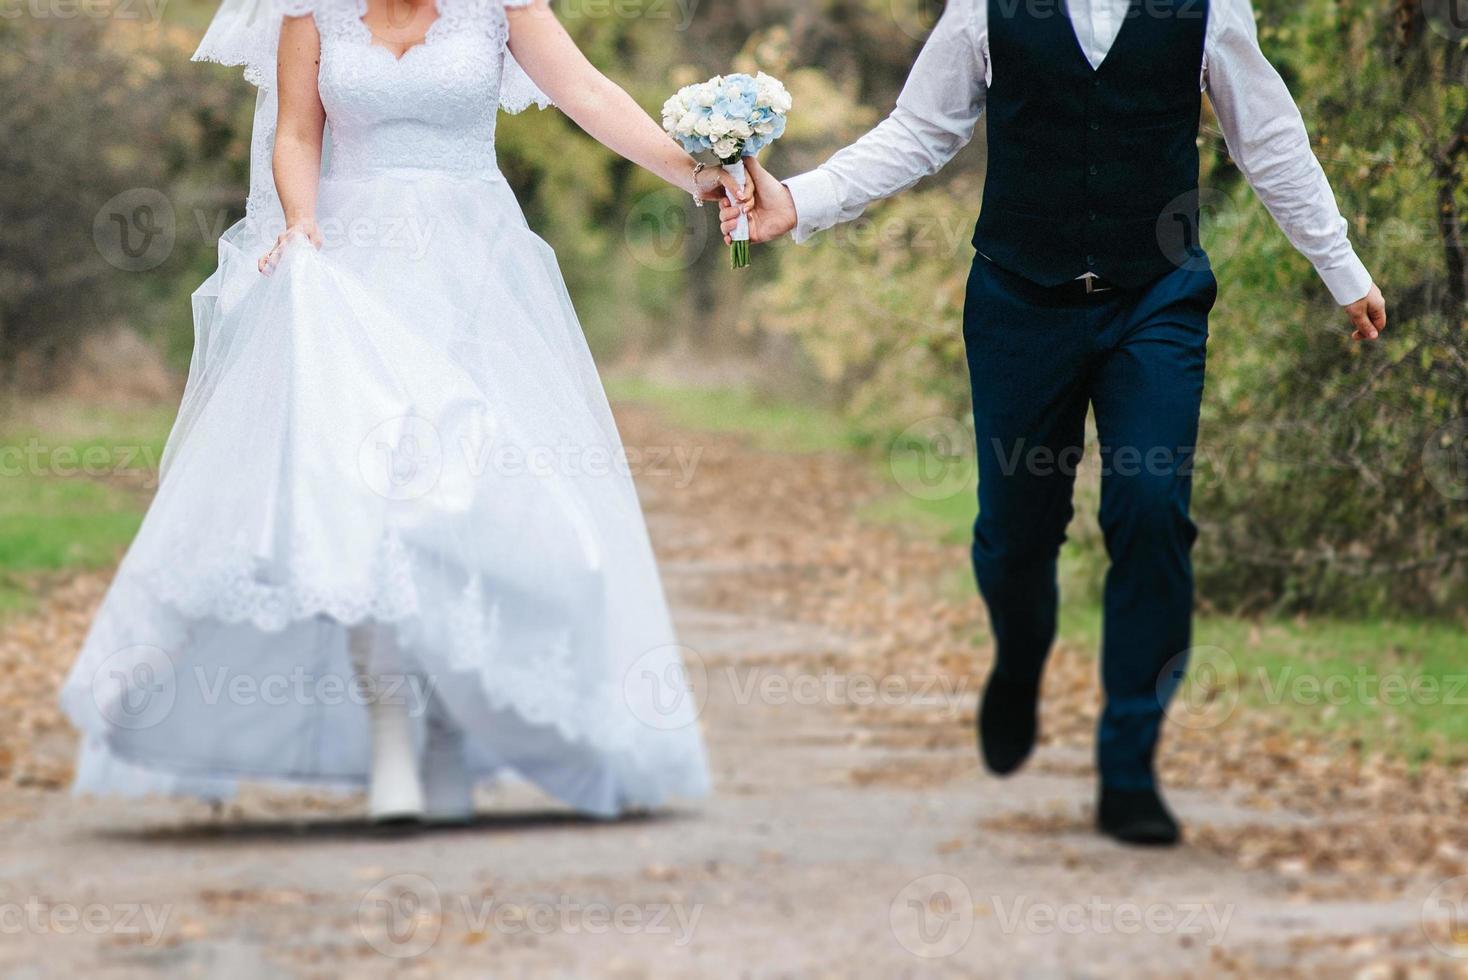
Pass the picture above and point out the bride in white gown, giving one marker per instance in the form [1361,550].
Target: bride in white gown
[392,544]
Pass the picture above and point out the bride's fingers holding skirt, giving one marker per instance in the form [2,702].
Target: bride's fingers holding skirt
[271,259]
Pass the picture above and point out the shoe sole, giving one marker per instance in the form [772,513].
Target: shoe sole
[1142,840]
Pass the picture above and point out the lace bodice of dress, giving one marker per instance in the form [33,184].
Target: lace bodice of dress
[431,111]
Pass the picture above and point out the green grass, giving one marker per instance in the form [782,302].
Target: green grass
[769,423]
[1332,676]
[1394,686]
[73,487]
[1398,687]
[948,518]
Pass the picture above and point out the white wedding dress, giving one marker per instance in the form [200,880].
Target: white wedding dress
[404,428]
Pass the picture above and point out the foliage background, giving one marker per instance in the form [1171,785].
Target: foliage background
[1338,472]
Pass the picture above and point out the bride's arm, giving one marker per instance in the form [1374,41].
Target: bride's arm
[600,106]
[300,124]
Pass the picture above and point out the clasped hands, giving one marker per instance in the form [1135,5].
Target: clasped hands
[768,205]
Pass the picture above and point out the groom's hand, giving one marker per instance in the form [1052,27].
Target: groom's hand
[771,213]
[1368,315]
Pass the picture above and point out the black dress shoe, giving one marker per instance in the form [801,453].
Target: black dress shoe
[1007,722]
[1136,816]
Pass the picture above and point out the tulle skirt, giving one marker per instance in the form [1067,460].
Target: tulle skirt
[402,429]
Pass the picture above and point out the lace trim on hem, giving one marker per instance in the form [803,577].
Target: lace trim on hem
[232,591]
[540,684]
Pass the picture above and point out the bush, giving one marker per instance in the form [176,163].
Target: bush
[115,150]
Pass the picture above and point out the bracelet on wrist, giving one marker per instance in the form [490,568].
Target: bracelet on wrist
[698,168]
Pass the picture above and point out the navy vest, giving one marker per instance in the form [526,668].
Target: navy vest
[1093,170]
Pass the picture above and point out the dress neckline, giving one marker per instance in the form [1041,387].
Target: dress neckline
[370,37]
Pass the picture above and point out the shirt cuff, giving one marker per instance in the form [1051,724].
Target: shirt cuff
[816,204]
[1347,282]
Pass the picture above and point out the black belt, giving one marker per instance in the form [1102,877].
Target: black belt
[1088,285]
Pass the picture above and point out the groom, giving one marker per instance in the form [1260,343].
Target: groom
[1089,290]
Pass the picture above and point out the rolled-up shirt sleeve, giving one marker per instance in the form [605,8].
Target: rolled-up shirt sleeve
[1266,137]
[935,118]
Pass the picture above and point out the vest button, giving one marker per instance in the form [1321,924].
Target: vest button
[1090,260]
[1092,170]
[1095,127]
[1091,215]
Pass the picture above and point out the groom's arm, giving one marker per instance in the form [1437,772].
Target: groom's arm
[935,117]
[1266,137]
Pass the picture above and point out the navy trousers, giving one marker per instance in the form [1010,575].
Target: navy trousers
[1038,359]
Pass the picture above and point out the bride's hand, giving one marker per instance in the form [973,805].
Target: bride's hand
[306,230]
[717,184]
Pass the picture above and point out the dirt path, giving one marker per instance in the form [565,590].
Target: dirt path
[852,834]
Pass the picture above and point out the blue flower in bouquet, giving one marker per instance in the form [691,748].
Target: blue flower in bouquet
[738,97]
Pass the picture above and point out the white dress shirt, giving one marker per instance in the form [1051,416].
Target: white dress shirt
[945,94]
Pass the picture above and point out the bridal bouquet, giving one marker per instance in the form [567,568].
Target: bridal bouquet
[733,117]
